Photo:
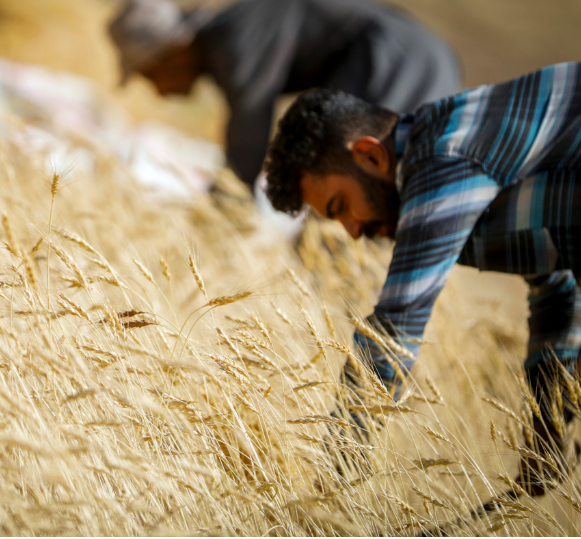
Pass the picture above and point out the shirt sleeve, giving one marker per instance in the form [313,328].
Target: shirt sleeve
[247,139]
[441,201]
[251,55]
[555,319]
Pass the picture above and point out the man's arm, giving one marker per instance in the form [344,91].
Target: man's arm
[247,139]
[555,319]
[442,200]
[250,53]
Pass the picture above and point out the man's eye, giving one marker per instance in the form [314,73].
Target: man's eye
[334,207]
[338,208]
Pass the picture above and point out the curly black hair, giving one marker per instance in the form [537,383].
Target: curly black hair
[312,137]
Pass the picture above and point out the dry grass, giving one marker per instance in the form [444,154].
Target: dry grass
[173,369]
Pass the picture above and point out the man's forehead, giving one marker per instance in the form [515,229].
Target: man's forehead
[309,178]
[315,182]
[315,190]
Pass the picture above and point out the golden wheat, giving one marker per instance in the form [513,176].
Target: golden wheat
[114,421]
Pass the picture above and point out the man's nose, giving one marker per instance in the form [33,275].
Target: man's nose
[353,227]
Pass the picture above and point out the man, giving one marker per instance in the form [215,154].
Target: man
[490,178]
[257,50]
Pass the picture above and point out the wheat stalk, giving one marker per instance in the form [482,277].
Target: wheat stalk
[299,283]
[319,419]
[197,275]
[144,271]
[281,314]
[502,408]
[329,321]
[70,263]
[385,341]
[11,243]
[165,269]
[260,325]
[227,300]
[71,307]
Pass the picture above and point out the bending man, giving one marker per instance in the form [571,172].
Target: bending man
[257,50]
[490,178]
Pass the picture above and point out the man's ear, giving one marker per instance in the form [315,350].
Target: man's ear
[370,155]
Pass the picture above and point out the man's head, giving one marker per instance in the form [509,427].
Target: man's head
[154,38]
[336,153]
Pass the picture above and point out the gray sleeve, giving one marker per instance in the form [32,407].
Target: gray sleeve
[247,139]
[399,64]
[251,57]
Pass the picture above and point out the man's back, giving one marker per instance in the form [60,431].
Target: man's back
[511,130]
[489,178]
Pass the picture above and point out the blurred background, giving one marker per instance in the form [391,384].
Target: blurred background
[494,39]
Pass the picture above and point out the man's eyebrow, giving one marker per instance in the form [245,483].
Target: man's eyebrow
[329,206]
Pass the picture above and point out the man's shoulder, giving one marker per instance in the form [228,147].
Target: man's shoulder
[268,12]
[494,125]
[449,131]
[433,171]
[428,141]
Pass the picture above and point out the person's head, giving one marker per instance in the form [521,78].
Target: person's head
[336,153]
[155,38]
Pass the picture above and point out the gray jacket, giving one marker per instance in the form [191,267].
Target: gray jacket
[258,49]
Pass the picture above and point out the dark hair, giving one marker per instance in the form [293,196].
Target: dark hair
[313,136]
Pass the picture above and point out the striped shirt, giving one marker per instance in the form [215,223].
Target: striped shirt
[489,178]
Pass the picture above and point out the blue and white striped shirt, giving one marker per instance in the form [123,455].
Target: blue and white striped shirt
[490,178]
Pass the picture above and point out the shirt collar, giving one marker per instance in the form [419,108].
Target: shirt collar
[402,132]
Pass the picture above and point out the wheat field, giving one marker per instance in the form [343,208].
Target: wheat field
[171,367]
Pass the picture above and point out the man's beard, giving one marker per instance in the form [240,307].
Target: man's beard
[383,197]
